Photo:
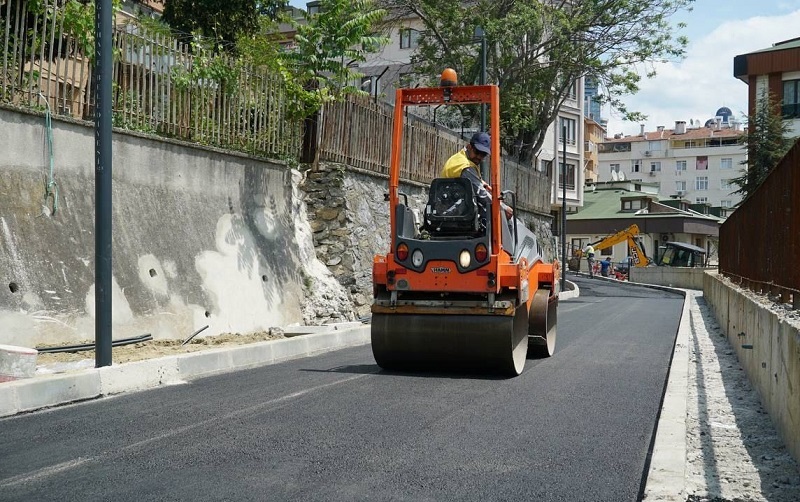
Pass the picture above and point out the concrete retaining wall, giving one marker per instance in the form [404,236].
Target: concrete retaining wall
[676,277]
[768,350]
[200,237]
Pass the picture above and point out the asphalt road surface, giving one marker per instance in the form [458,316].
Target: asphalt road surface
[573,427]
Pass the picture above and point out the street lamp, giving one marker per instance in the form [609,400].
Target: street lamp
[564,208]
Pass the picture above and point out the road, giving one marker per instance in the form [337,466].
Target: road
[574,427]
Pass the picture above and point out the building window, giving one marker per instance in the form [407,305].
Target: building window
[614,168]
[702,163]
[409,38]
[654,146]
[572,92]
[570,125]
[680,186]
[636,166]
[725,184]
[701,183]
[726,163]
[313,8]
[701,200]
[655,167]
[680,165]
[570,176]
[726,203]
[791,99]
[632,205]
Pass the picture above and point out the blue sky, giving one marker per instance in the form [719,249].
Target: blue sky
[696,87]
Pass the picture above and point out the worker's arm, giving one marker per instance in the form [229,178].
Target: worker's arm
[483,191]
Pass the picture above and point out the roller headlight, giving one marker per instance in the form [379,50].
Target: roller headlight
[417,258]
[464,259]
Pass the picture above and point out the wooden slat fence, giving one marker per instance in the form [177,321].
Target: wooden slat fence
[358,133]
[159,85]
[760,241]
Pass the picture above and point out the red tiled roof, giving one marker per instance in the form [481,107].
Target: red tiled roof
[700,133]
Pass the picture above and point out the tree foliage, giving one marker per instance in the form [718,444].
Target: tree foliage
[539,48]
[321,67]
[766,143]
[221,20]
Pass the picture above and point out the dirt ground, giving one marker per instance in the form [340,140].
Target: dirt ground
[157,348]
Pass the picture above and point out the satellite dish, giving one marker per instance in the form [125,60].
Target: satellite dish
[621,176]
[614,176]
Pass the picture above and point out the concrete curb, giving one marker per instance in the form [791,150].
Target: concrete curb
[666,478]
[52,390]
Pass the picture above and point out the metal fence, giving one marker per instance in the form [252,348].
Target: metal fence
[159,85]
[358,132]
[760,241]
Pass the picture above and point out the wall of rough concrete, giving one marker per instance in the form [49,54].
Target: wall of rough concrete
[676,277]
[768,348]
[200,237]
[350,221]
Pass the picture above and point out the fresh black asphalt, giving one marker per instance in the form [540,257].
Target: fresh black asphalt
[573,427]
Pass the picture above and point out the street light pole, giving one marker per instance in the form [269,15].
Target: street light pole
[564,208]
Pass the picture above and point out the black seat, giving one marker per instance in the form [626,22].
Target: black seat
[451,209]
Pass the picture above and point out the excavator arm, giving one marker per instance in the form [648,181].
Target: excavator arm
[635,249]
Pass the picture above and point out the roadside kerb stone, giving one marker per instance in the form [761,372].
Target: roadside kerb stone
[666,478]
[52,390]
[139,375]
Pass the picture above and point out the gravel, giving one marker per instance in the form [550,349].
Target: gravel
[734,452]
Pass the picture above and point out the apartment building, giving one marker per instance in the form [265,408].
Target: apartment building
[775,70]
[695,163]
[594,134]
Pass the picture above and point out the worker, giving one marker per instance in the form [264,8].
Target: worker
[465,164]
[590,258]
[605,267]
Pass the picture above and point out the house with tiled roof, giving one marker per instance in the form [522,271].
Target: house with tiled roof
[613,206]
[696,163]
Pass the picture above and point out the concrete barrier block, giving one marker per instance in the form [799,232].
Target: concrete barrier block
[290,348]
[17,362]
[204,363]
[8,400]
[139,375]
[252,355]
[53,390]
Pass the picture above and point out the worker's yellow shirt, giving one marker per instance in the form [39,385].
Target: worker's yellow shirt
[456,164]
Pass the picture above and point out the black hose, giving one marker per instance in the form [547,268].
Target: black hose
[91,346]
[194,335]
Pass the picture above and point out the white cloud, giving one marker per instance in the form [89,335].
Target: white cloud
[696,87]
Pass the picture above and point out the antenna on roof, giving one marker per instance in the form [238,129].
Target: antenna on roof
[614,176]
[621,176]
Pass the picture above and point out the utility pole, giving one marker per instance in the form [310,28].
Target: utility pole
[102,183]
[564,208]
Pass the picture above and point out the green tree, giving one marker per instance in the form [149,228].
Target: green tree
[766,143]
[538,49]
[321,67]
[222,20]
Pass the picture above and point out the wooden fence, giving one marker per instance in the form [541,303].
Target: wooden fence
[760,241]
[358,133]
[159,85]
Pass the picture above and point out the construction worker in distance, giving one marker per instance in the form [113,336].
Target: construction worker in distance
[465,164]
[590,258]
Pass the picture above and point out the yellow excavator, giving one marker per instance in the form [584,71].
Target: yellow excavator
[636,252]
